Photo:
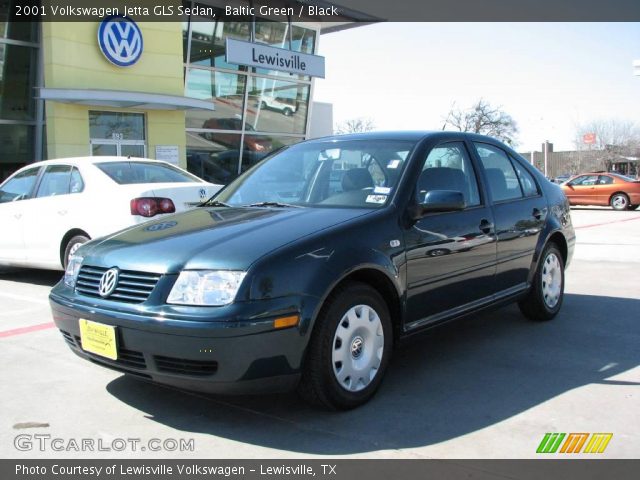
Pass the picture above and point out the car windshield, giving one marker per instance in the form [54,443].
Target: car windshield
[349,173]
[127,173]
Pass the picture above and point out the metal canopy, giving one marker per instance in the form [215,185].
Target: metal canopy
[120,99]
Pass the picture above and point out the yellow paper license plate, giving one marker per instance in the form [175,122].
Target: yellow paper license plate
[98,338]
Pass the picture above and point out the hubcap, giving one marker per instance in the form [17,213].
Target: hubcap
[74,248]
[358,345]
[619,201]
[551,280]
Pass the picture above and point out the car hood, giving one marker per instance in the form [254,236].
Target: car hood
[210,238]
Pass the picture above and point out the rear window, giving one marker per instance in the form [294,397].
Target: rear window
[128,173]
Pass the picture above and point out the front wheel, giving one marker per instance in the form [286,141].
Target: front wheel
[72,246]
[619,201]
[349,350]
[545,297]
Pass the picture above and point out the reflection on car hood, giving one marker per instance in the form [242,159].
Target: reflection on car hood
[210,238]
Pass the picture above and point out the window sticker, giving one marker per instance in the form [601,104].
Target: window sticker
[379,199]
[382,190]
[393,164]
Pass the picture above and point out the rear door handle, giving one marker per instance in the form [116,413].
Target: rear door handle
[485,226]
[537,213]
[62,212]
[17,216]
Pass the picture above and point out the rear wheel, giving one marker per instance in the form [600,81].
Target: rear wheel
[349,350]
[287,112]
[619,201]
[545,297]
[72,246]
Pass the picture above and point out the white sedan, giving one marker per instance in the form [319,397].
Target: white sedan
[48,209]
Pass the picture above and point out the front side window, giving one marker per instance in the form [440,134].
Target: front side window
[19,187]
[501,176]
[332,174]
[448,167]
[584,181]
[605,180]
[127,173]
[55,181]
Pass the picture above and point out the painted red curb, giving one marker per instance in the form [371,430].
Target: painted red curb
[21,330]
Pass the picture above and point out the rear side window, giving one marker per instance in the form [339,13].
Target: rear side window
[20,186]
[503,180]
[55,181]
[528,184]
[127,173]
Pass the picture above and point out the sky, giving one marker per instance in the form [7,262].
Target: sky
[550,77]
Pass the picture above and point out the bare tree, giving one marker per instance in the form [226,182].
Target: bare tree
[483,118]
[614,138]
[355,125]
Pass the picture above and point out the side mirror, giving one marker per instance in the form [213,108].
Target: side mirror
[439,201]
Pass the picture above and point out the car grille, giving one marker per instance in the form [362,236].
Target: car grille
[132,287]
[181,366]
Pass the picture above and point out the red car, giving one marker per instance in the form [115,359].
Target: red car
[598,188]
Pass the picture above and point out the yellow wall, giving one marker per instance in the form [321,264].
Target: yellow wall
[72,59]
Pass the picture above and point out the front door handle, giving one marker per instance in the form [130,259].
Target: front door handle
[62,212]
[485,226]
[17,216]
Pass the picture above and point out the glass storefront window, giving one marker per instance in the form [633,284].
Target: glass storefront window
[208,41]
[225,90]
[116,125]
[17,148]
[214,157]
[17,78]
[16,30]
[277,106]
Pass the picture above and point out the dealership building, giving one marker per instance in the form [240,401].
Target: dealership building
[212,93]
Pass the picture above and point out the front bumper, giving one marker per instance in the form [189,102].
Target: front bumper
[217,357]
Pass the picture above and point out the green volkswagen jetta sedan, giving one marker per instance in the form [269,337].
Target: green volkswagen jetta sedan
[308,268]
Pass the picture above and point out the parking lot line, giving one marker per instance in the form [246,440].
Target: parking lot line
[14,296]
[591,225]
[21,330]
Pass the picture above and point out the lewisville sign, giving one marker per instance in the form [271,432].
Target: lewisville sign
[272,58]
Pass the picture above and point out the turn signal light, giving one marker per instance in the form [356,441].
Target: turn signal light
[285,322]
[150,206]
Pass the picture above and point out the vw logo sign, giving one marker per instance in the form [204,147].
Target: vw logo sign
[120,40]
[108,282]
[203,193]
[156,227]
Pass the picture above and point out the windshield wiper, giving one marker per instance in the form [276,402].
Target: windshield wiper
[273,204]
[214,203]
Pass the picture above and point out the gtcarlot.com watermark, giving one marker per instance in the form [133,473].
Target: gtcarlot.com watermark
[48,443]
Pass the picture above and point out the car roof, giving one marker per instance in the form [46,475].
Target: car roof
[410,135]
[91,160]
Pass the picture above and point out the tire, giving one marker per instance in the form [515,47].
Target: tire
[287,112]
[72,246]
[547,292]
[619,201]
[263,105]
[344,346]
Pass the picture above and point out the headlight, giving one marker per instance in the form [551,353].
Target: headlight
[206,287]
[71,273]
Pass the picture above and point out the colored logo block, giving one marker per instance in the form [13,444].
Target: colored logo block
[574,443]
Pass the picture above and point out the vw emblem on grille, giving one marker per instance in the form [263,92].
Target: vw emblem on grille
[108,282]
[203,193]
[120,40]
